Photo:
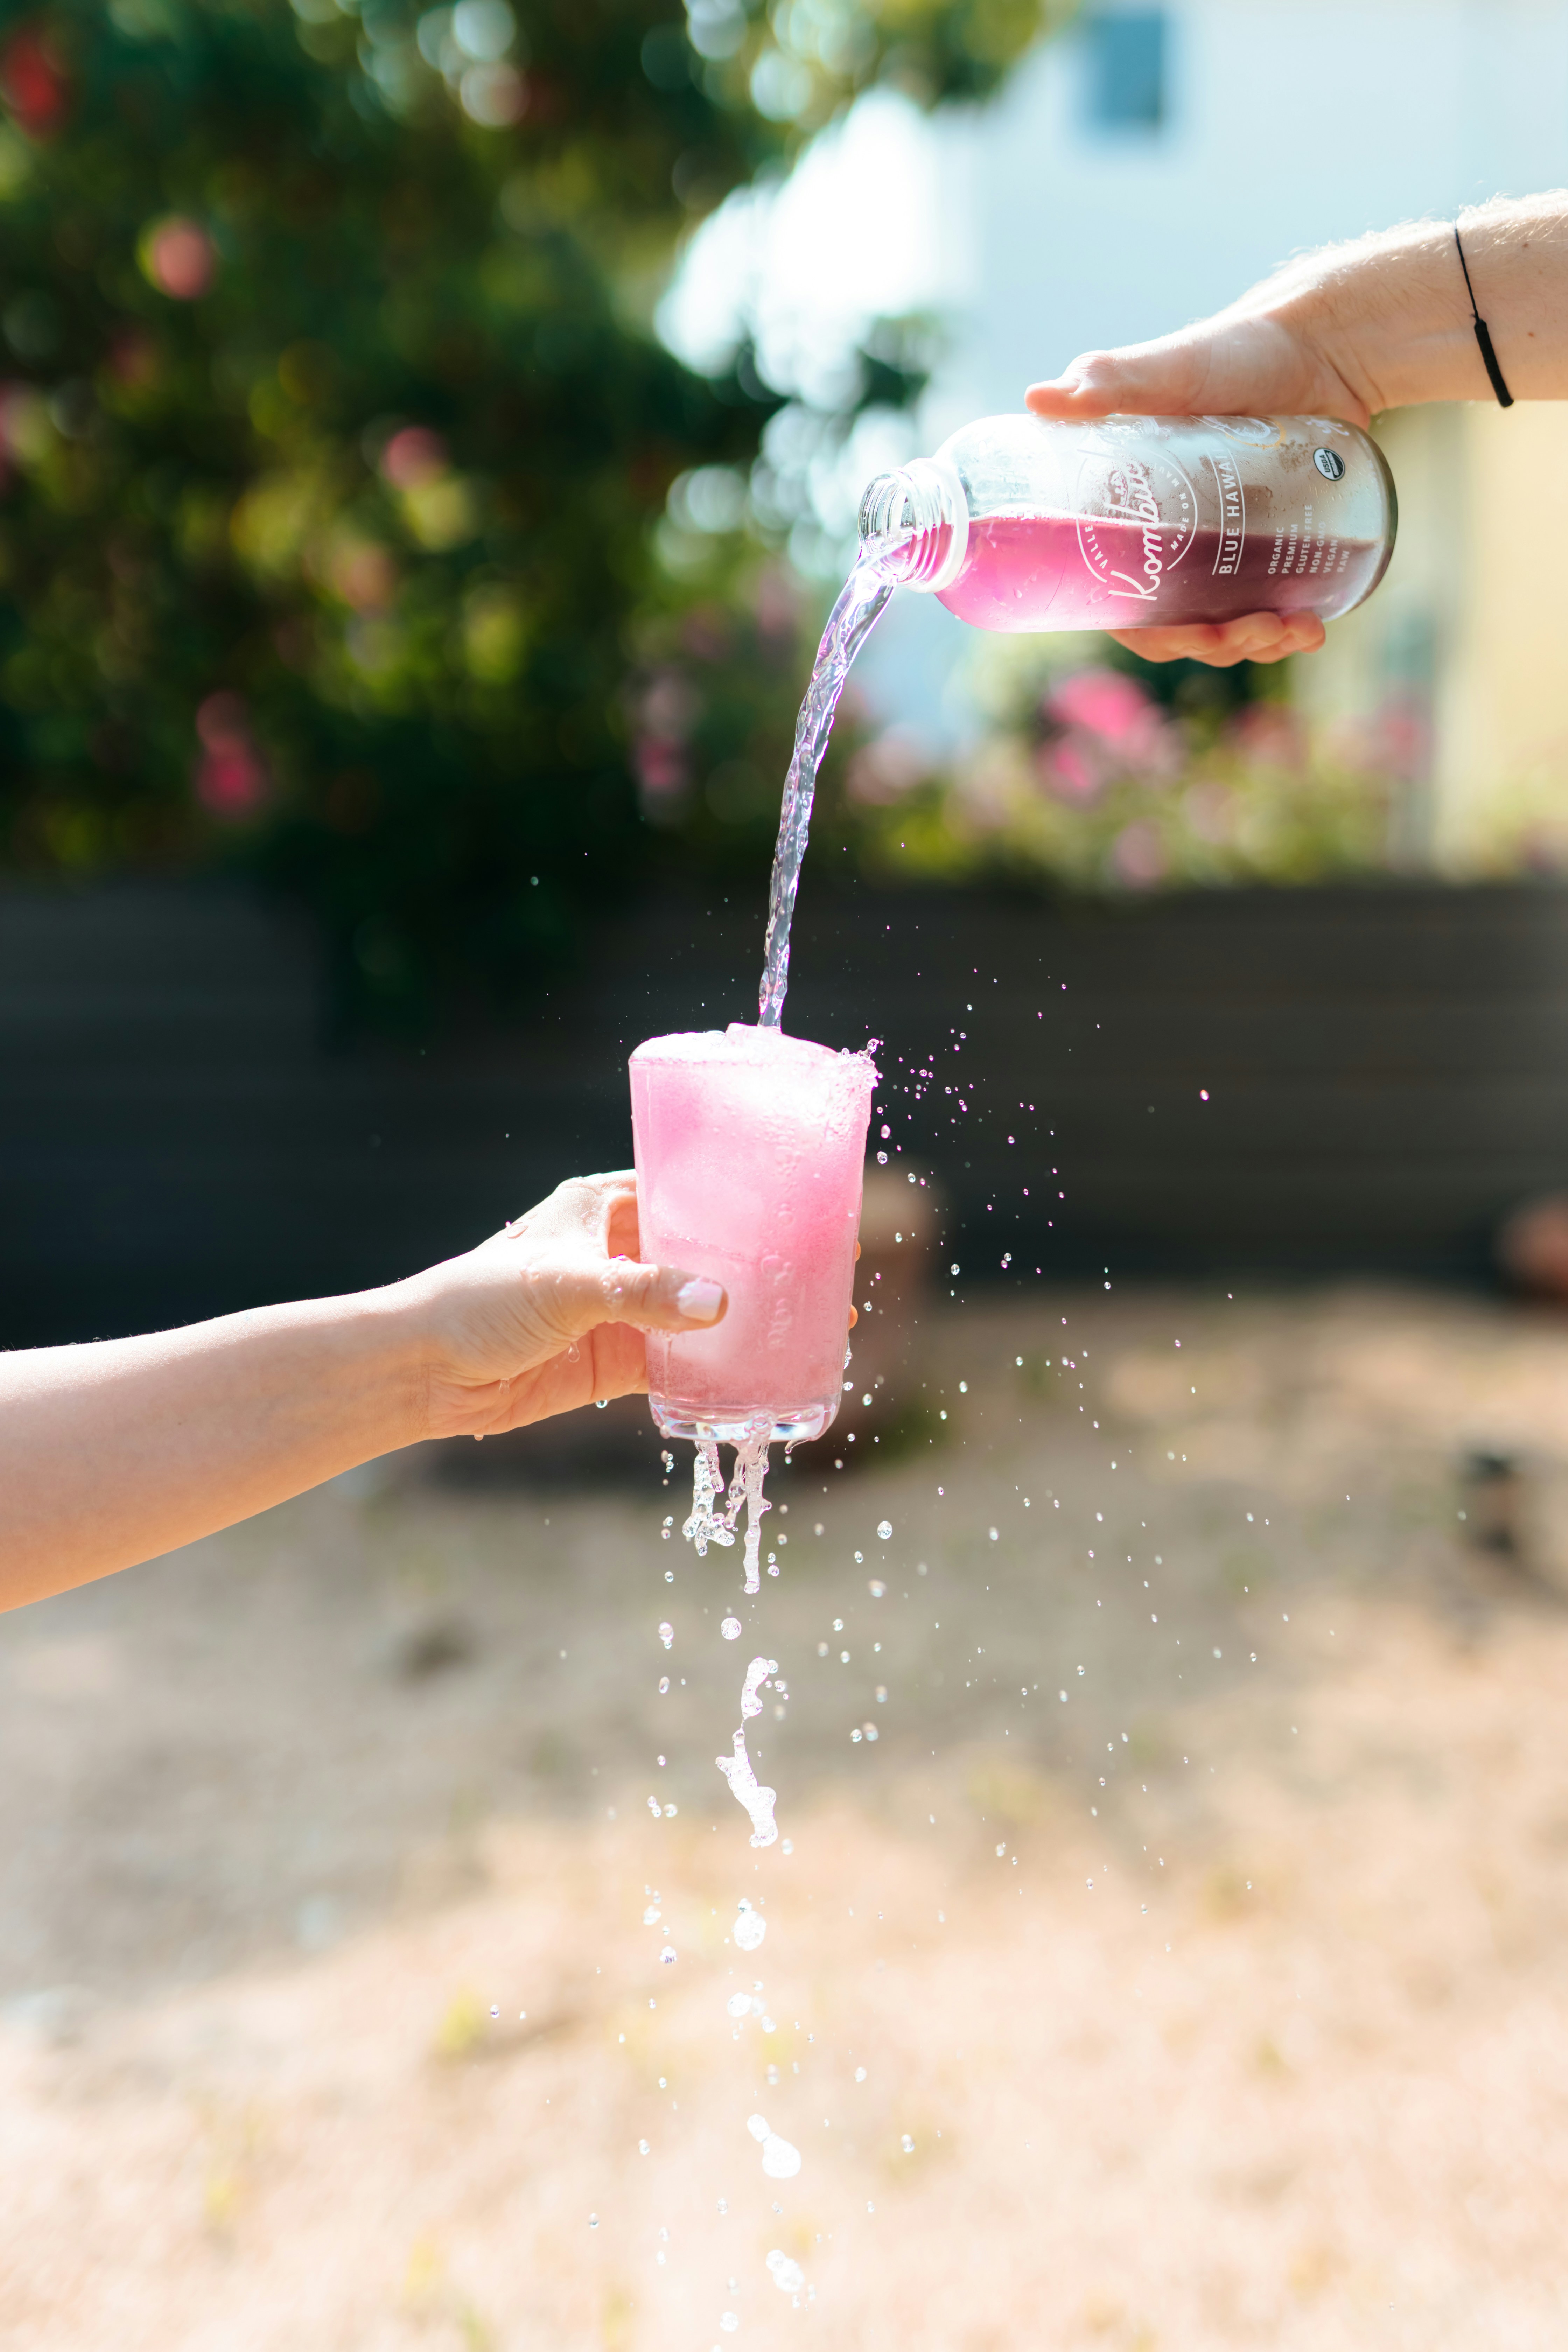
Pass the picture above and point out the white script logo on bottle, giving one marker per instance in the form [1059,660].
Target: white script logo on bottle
[1154,496]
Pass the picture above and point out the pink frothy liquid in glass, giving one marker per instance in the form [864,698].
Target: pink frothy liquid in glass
[1031,572]
[750,1147]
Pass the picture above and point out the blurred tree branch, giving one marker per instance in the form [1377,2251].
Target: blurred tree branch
[331,470]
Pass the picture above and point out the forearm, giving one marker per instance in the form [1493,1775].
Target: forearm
[1390,315]
[114,1453]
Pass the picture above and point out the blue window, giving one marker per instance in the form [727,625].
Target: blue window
[1125,60]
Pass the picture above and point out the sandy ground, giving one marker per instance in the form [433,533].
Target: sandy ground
[1218,2004]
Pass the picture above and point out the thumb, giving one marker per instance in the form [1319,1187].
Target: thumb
[1144,380]
[654,1298]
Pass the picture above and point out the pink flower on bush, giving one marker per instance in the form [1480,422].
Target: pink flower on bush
[34,83]
[666,711]
[1138,855]
[1099,724]
[231,777]
[1104,703]
[414,457]
[179,257]
[661,766]
[1073,767]
[1270,734]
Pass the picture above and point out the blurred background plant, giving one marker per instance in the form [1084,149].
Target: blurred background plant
[1093,771]
[355,527]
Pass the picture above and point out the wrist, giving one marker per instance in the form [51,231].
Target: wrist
[404,1334]
[1389,316]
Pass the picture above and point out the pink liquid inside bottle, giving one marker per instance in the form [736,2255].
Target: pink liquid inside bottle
[750,1147]
[1028,572]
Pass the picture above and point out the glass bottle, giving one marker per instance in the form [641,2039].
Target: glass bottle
[1027,522]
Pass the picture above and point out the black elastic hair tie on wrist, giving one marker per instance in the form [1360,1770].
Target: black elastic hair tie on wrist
[1488,357]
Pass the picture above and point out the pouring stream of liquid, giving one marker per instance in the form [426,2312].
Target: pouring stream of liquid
[861,604]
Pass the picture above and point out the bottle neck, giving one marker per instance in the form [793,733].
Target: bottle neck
[914,525]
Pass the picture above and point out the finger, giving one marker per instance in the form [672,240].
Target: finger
[613,1364]
[583,1203]
[1254,637]
[652,1298]
[623,1233]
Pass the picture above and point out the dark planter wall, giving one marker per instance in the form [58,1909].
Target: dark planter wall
[1388,1072]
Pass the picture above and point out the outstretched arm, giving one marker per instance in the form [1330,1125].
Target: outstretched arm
[115,1452]
[1383,322]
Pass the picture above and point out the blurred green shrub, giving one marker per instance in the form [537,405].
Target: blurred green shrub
[1096,771]
[334,444]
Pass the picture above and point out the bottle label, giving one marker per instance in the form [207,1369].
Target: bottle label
[1231,505]
[1154,495]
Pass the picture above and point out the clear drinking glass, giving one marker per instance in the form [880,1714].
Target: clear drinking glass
[750,1147]
[1028,523]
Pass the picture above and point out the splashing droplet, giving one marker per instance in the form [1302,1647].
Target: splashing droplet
[731,1629]
[780,2160]
[884,1530]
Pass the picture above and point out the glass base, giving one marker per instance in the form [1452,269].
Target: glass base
[793,1428]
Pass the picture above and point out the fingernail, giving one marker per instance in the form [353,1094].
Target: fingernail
[700,1299]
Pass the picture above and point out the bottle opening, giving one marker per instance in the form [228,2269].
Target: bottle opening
[914,525]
